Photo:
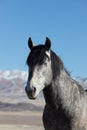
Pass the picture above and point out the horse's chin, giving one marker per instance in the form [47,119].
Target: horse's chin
[31,97]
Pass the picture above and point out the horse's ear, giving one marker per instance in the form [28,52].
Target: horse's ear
[47,43]
[30,43]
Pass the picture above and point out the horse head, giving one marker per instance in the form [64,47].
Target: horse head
[40,70]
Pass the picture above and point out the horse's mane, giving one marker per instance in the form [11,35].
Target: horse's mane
[57,65]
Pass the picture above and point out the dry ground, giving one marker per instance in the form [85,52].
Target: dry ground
[21,120]
[20,127]
[21,116]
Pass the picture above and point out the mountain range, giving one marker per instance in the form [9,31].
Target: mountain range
[12,85]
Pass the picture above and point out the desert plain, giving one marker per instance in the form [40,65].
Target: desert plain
[20,116]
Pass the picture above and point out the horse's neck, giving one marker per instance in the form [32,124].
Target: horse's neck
[69,91]
[49,96]
[64,92]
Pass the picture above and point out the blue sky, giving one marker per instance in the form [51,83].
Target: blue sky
[63,21]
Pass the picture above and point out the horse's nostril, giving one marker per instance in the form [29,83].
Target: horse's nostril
[34,89]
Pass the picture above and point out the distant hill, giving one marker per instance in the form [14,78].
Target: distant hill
[12,86]
[11,107]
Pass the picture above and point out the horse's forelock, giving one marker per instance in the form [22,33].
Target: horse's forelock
[36,55]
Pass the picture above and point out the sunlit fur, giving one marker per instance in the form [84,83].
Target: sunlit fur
[66,100]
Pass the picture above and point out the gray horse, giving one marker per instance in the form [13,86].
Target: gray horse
[66,100]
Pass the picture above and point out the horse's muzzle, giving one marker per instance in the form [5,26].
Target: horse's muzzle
[31,92]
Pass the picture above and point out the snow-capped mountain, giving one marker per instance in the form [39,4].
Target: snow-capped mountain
[12,85]
[13,74]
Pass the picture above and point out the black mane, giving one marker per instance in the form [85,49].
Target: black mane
[57,64]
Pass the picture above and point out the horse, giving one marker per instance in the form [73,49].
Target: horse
[65,99]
